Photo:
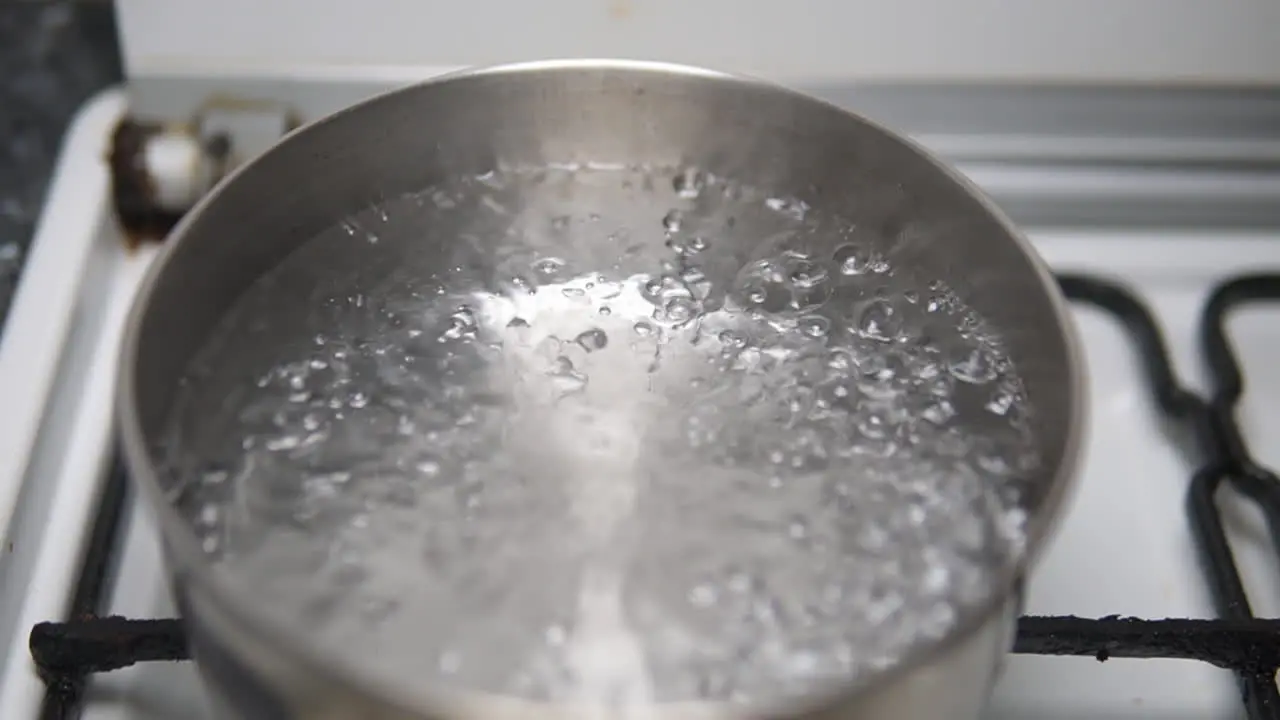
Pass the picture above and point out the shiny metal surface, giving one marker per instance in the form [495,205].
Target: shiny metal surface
[579,111]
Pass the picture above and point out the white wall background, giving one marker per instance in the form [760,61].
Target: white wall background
[1160,41]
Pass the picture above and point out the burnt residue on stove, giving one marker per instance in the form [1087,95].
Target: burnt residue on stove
[143,212]
[1246,645]
[101,644]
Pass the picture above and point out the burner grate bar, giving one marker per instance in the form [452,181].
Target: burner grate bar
[73,648]
[1248,646]
[1221,451]
[104,644]
[1252,479]
[1236,465]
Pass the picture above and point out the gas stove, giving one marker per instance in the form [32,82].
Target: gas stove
[1157,204]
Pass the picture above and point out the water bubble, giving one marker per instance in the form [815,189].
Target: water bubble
[688,183]
[834,398]
[763,286]
[686,246]
[703,595]
[939,412]
[653,288]
[560,223]
[208,515]
[521,283]
[405,425]
[995,464]
[677,310]
[462,325]
[697,283]
[879,321]
[592,340]
[803,273]
[732,339]
[566,378]
[790,207]
[852,259]
[672,220]
[643,329]
[938,385]
[881,375]
[840,361]
[1001,402]
[972,365]
[492,179]
[815,326]
[549,267]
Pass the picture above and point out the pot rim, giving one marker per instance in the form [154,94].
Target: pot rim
[181,544]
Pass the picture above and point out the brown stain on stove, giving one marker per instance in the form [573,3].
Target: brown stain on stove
[133,190]
[620,9]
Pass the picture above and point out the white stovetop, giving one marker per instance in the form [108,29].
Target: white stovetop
[1124,548]
[1159,42]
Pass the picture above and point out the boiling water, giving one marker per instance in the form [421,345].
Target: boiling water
[606,435]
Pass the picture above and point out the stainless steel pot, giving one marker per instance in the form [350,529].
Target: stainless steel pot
[579,111]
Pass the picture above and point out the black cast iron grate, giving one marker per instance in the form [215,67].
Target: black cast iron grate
[68,653]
